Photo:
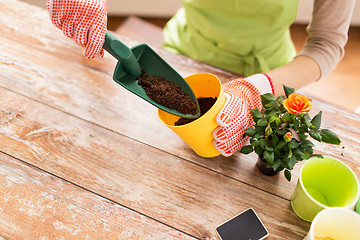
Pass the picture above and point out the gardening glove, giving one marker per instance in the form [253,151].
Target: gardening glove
[82,20]
[234,118]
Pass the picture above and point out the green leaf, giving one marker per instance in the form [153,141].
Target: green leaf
[280,145]
[280,99]
[272,104]
[274,140]
[282,131]
[269,157]
[315,135]
[306,155]
[254,142]
[267,112]
[290,154]
[250,132]
[246,149]
[269,96]
[316,121]
[293,144]
[270,149]
[257,135]
[256,114]
[298,153]
[310,152]
[307,122]
[288,90]
[287,117]
[262,143]
[258,150]
[291,162]
[307,144]
[287,174]
[276,164]
[302,136]
[262,122]
[307,116]
[264,100]
[273,118]
[328,136]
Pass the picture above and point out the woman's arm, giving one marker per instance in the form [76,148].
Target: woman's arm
[298,73]
[324,47]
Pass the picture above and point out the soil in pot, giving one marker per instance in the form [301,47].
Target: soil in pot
[261,165]
[204,103]
[167,93]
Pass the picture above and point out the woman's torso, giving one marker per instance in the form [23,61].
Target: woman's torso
[241,36]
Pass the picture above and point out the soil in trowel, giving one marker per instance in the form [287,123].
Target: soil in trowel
[204,103]
[167,93]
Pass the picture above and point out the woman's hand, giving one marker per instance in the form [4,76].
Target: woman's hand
[234,118]
[82,20]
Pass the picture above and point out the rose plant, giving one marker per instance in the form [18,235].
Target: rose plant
[280,133]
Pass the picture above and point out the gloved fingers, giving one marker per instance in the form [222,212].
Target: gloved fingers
[236,108]
[240,123]
[234,118]
[223,151]
[100,54]
[67,27]
[229,149]
[224,134]
[81,34]
[96,41]
[229,110]
[56,13]
[233,143]
[231,138]
[49,6]
[219,134]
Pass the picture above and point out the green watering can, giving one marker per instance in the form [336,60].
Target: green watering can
[128,69]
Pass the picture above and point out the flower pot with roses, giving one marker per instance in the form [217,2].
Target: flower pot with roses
[280,134]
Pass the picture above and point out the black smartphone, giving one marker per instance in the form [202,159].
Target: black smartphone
[244,226]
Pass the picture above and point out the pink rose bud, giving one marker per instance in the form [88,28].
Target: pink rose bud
[288,137]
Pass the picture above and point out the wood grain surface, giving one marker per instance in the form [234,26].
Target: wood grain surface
[81,156]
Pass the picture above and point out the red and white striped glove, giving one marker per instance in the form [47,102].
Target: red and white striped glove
[82,20]
[234,118]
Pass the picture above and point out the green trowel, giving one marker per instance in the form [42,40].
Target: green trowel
[130,65]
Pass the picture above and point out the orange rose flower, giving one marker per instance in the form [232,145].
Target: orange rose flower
[297,104]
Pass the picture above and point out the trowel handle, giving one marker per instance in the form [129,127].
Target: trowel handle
[122,53]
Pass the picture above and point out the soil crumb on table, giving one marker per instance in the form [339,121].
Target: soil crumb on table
[167,93]
[204,103]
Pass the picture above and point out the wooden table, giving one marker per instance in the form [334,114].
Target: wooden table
[83,158]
